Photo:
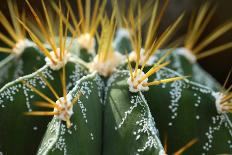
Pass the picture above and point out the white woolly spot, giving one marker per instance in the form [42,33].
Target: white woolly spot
[150,61]
[135,85]
[21,45]
[66,108]
[218,97]
[107,67]
[88,42]
[187,54]
[57,64]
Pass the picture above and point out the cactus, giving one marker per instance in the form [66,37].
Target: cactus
[109,91]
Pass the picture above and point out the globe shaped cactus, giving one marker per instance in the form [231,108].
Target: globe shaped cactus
[101,83]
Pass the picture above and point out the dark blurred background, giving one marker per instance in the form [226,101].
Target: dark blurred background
[217,65]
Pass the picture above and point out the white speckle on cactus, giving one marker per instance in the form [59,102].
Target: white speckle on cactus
[60,143]
[21,45]
[65,110]
[58,63]
[91,135]
[187,54]
[77,74]
[175,95]
[87,42]
[135,85]
[83,111]
[10,91]
[230,143]
[54,129]
[128,112]
[150,61]
[107,67]
[145,123]
[35,128]
[217,122]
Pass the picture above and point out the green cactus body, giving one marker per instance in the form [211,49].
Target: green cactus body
[122,42]
[16,99]
[85,137]
[129,127]
[185,64]
[189,106]
[12,67]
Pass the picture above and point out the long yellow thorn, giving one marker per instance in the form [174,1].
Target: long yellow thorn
[188,145]
[226,98]
[39,93]
[214,51]
[153,70]
[87,15]
[164,81]
[14,13]
[8,27]
[45,104]
[164,37]
[202,12]
[81,14]
[38,42]
[130,67]
[5,50]
[213,36]
[41,113]
[227,78]
[6,40]
[49,85]
[49,25]
[63,82]
[41,26]
[74,101]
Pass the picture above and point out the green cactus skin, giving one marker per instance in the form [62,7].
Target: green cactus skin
[129,127]
[116,94]
[183,65]
[85,137]
[16,98]
[108,119]
[122,42]
[85,56]
[188,109]
[12,67]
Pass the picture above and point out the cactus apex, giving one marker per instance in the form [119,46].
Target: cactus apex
[57,62]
